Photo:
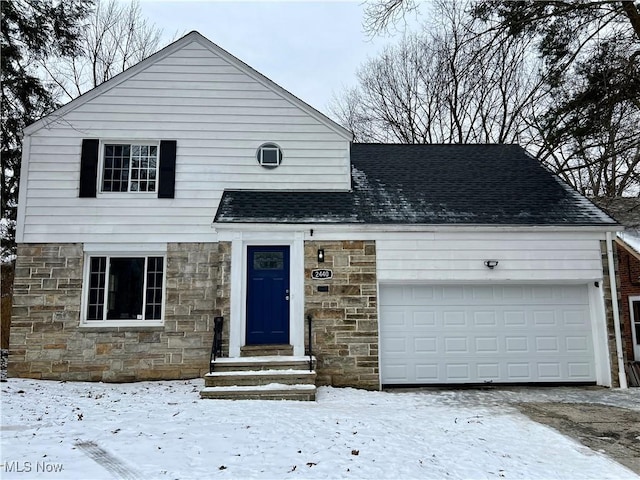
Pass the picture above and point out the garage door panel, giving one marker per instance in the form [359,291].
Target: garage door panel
[451,293]
[486,345]
[545,345]
[485,318]
[574,318]
[514,318]
[458,372]
[503,333]
[577,344]
[397,371]
[519,371]
[425,293]
[396,317]
[543,293]
[455,345]
[545,318]
[425,345]
[516,294]
[424,319]
[516,345]
[490,371]
[549,371]
[426,373]
[454,319]
[580,370]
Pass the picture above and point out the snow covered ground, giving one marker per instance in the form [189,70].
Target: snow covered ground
[162,430]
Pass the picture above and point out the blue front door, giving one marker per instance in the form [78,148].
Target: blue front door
[267,295]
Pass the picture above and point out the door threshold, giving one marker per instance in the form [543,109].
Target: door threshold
[266,350]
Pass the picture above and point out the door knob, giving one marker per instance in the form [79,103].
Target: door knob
[286,297]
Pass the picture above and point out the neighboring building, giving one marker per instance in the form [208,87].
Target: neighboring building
[191,187]
[626,210]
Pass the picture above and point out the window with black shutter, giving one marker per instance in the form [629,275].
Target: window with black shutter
[128,167]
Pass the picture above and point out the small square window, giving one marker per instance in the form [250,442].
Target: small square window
[269,155]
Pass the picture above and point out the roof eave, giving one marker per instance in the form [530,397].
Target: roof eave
[399,227]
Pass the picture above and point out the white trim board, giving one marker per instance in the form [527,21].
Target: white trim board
[320,231]
[238,285]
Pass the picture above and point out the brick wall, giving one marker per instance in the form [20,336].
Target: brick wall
[48,342]
[345,319]
[629,285]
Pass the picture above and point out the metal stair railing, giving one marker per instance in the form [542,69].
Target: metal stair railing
[216,346]
[310,322]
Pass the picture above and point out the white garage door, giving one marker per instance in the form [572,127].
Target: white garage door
[477,334]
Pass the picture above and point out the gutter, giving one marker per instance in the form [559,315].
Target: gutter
[331,227]
[622,377]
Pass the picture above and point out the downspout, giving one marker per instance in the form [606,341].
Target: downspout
[622,377]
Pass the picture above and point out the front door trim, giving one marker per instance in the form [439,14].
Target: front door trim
[238,286]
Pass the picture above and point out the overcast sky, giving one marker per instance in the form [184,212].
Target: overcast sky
[312,49]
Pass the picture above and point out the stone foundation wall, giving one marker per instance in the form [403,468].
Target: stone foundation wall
[345,318]
[48,342]
[611,336]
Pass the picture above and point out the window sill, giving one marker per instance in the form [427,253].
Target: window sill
[112,327]
[127,195]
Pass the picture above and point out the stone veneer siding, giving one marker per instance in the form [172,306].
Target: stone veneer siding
[345,319]
[47,340]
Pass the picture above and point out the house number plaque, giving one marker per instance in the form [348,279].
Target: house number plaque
[321,274]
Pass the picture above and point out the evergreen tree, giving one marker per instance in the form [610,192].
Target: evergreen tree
[32,30]
[591,55]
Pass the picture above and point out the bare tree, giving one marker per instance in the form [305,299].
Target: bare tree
[445,86]
[115,37]
[582,117]
[381,15]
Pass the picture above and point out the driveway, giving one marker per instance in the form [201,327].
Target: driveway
[614,431]
[605,420]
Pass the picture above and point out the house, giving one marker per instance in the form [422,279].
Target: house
[626,210]
[191,187]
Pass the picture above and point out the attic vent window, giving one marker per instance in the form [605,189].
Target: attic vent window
[269,155]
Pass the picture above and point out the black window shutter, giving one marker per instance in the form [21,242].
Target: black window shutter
[89,167]
[167,181]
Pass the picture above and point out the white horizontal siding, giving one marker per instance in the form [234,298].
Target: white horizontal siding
[219,116]
[453,257]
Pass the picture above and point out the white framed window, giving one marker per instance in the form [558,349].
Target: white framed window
[269,155]
[634,310]
[129,167]
[124,290]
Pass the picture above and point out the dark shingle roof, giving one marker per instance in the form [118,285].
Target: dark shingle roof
[426,184]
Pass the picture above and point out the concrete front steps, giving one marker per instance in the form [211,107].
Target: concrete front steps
[269,377]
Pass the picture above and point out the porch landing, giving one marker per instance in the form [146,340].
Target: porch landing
[267,377]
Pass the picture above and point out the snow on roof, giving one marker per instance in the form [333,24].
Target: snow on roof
[427,184]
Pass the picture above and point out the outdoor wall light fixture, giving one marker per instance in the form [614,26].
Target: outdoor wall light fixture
[491,264]
[320,255]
